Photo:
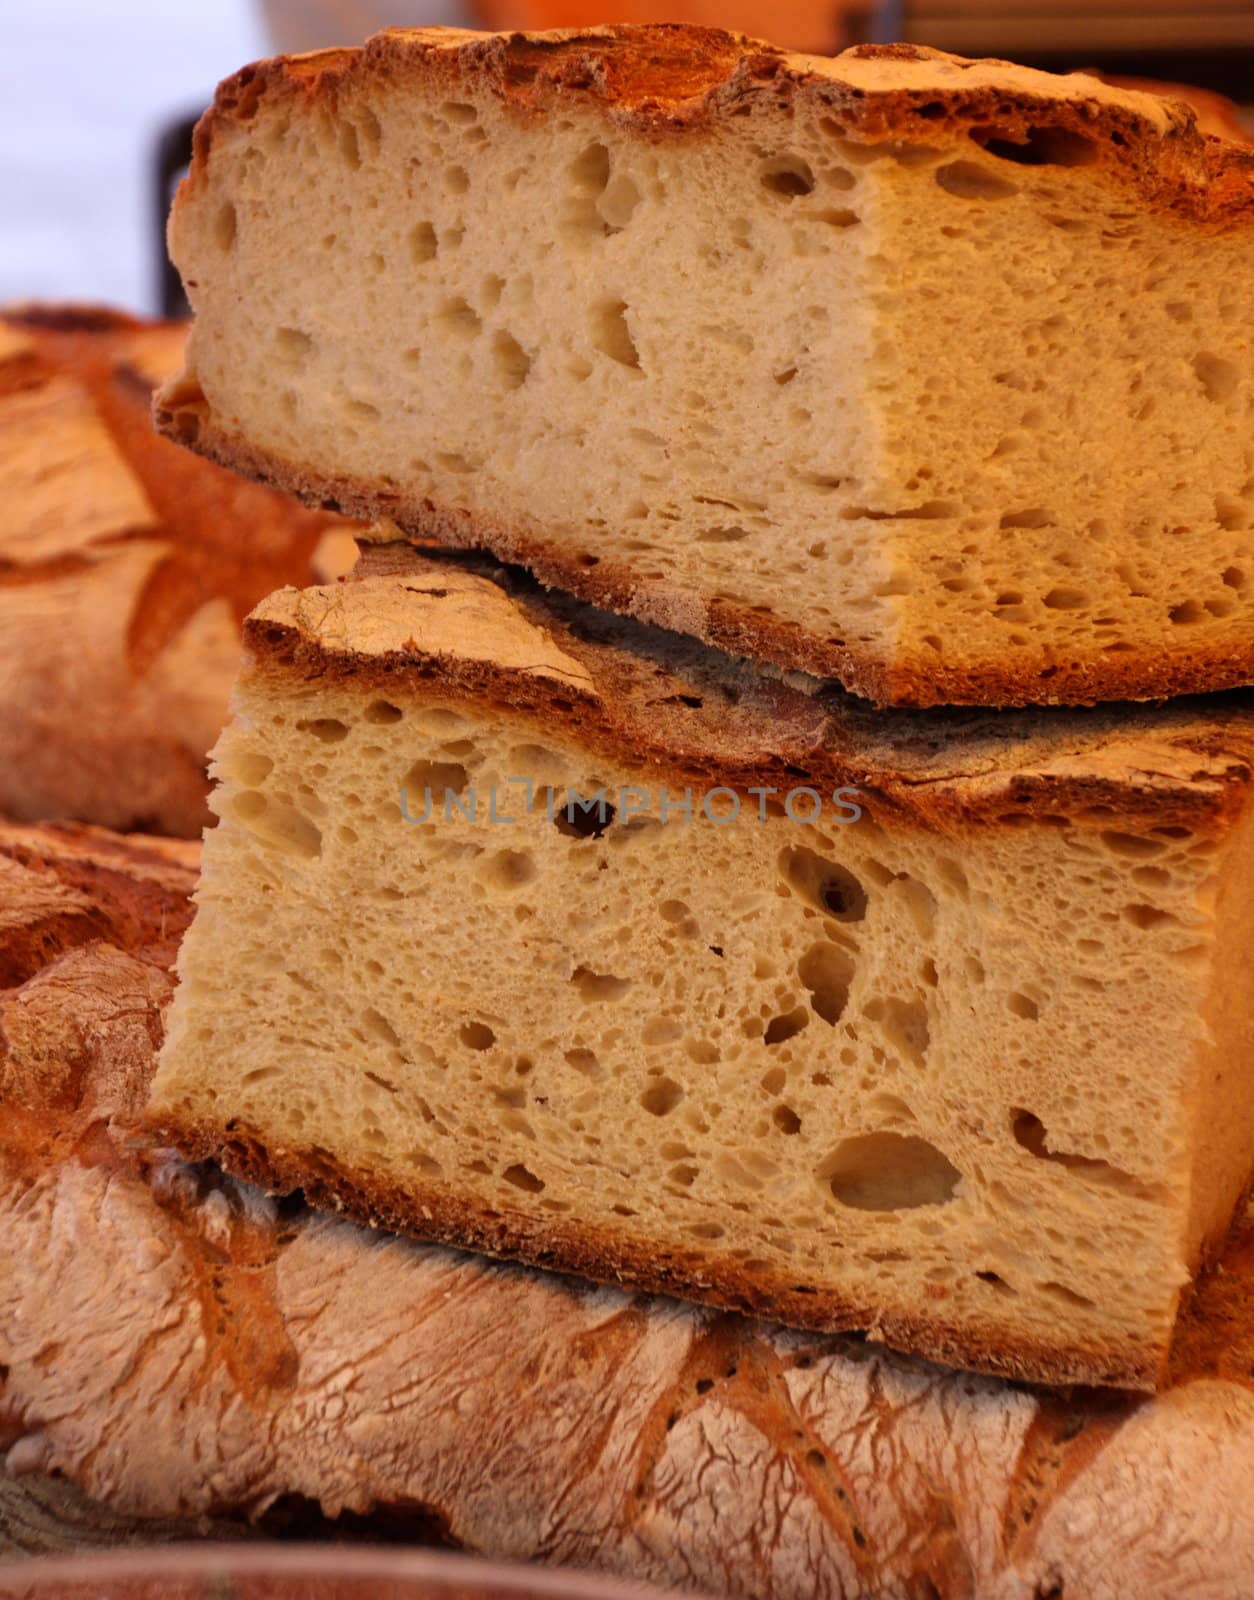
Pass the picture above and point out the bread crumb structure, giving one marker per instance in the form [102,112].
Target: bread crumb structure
[930,375]
[969,1072]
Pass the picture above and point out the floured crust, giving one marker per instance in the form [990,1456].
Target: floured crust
[126,566]
[620,685]
[431,1212]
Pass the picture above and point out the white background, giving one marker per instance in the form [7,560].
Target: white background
[85,87]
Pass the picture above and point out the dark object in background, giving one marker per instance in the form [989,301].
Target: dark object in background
[1207,42]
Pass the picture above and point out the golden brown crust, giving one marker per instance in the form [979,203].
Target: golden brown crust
[431,1212]
[691,714]
[126,566]
[670,78]
[1137,674]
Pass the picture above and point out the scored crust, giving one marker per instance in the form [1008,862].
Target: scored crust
[692,712]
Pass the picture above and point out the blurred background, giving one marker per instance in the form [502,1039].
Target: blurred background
[97,100]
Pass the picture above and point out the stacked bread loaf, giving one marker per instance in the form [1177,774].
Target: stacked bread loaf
[677,925]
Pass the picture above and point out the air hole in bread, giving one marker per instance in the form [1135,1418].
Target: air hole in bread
[1145,916]
[1033,517]
[788,1026]
[1022,1005]
[460,318]
[511,361]
[826,885]
[280,826]
[995,1281]
[838,218]
[970,181]
[1064,598]
[249,768]
[383,712]
[722,535]
[1217,377]
[456,180]
[786,1120]
[787,177]
[350,149]
[904,1025]
[1031,1135]
[476,1035]
[423,244]
[431,783]
[827,972]
[508,870]
[523,1178]
[378,1026]
[1186,613]
[920,902]
[889,1110]
[661,1097]
[583,819]
[459,112]
[584,1061]
[590,170]
[611,335]
[292,345]
[225,227]
[889,1172]
[1042,147]
[599,986]
[1070,1297]
[617,204]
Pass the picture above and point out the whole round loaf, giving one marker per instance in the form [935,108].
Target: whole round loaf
[126,566]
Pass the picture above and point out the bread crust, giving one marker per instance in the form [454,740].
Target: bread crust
[698,717]
[430,1212]
[182,413]
[123,578]
[669,78]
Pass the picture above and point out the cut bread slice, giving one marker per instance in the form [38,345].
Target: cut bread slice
[931,375]
[971,1071]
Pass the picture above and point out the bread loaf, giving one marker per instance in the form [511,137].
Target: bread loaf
[125,569]
[929,374]
[177,1345]
[559,937]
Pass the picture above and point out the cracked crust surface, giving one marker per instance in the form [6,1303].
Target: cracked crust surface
[126,567]
[691,710]
[177,1346]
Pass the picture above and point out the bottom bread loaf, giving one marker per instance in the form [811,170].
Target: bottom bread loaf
[177,1344]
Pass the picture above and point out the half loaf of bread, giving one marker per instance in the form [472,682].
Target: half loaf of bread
[182,1349]
[931,375]
[563,938]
